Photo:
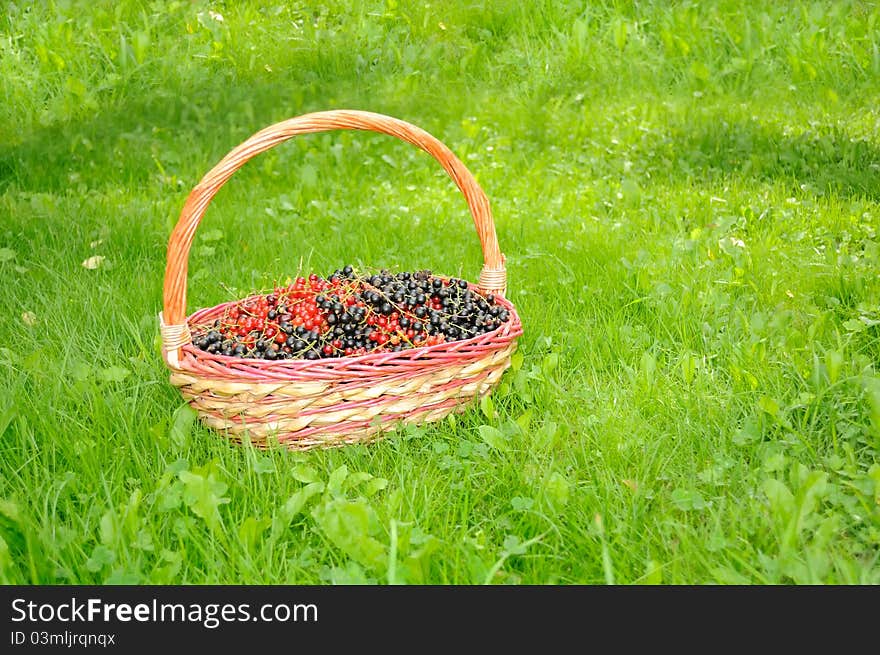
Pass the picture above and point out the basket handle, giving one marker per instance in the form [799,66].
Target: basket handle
[175,333]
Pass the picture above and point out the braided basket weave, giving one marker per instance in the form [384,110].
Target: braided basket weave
[329,402]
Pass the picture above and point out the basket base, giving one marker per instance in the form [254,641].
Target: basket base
[370,433]
[264,436]
[330,415]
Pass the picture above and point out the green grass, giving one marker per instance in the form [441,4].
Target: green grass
[687,196]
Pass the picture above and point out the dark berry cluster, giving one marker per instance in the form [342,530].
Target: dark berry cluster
[350,314]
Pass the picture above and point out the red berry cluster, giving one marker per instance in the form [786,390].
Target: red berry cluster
[349,314]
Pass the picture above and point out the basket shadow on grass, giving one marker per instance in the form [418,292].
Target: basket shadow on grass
[817,162]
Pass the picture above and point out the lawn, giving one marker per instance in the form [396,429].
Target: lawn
[687,195]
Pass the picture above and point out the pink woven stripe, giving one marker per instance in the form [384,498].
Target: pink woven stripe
[373,365]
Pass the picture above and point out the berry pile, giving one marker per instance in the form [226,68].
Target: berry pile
[349,314]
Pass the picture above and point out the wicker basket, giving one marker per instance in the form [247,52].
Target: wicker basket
[329,402]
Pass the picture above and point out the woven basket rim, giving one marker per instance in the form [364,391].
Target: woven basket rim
[504,333]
